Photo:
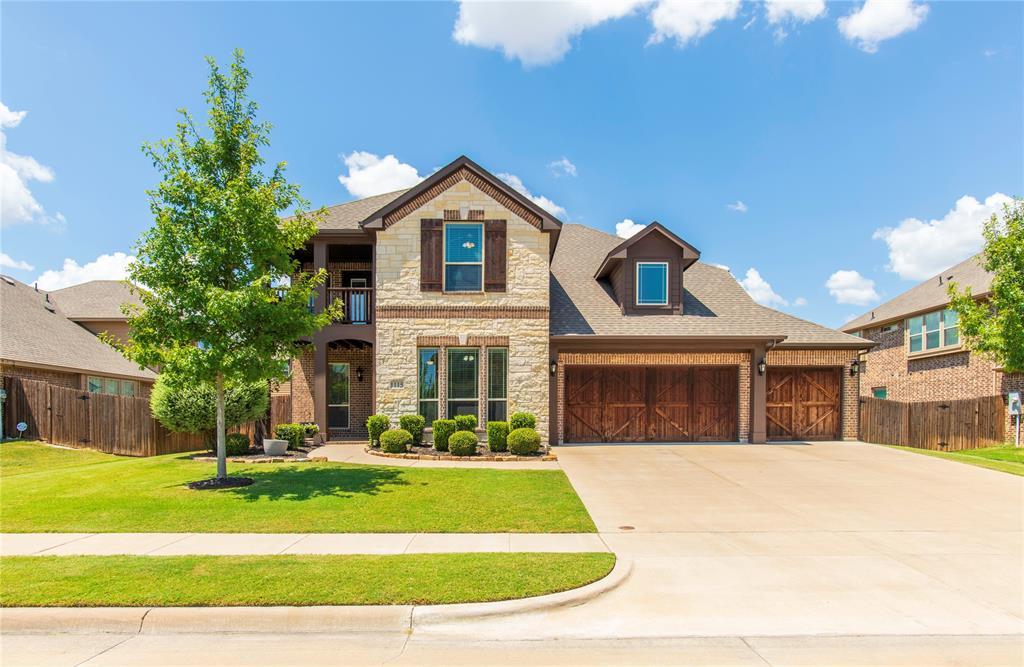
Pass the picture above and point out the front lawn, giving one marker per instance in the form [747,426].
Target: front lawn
[200,581]
[46,489]
[1005,459]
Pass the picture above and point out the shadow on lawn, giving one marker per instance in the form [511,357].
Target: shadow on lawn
[296,483]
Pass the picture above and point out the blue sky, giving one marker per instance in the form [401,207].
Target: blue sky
[820,125]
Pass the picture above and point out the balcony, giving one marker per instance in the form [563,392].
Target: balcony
[356,301]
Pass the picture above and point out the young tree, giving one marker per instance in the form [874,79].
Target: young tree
[224,302]
[995,326]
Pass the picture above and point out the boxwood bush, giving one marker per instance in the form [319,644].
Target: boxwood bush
[375,425]
[293,433]
[443,428]
[395,441]
[523,441]
[414,424]
[520,420]
[462,443]
[497,436]
[236,444]
[465,422]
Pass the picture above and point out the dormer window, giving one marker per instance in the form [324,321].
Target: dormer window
[652,283]
[463,257]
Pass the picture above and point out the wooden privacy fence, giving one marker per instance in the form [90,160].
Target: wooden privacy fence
[938,425]
[113,424]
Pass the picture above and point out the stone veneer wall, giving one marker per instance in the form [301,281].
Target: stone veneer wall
[849,394]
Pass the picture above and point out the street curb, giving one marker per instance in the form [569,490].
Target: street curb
[293,620]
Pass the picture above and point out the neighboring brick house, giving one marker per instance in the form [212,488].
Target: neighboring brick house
[40,340]
[919,353]
[463,296]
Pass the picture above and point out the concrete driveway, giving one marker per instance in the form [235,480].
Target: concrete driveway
[794,540]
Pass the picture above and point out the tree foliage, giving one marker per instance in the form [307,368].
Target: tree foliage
[192,408]
[995,326]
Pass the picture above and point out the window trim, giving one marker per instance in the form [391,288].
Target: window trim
[348,403]
[437,383]
[942,348]
[636,293]
[448,380]
[444,255]
[102,380]
[490,399]
[881,388]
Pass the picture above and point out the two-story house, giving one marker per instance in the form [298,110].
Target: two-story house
[463,296]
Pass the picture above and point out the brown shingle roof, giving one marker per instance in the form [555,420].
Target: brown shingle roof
[31,333]
[95,300]
[350,214]
[714,304]
[927,295]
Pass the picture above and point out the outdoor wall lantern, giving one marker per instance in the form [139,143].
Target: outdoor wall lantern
[554,367]
[359,375]
[855,367]
[761,366]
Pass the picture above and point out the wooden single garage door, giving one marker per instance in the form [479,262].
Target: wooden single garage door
[651,404]
[803,403]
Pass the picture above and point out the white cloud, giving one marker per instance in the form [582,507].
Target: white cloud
[104,267]
[803,11]
[760,291]
[878,20]
[919,249]
[686,21]
[739,207]
[17,203]
[799,301]
[627,228]
[722,266]
[9,262]
[535,33]
[851,287]
[516,184]
[369,174]
[562,167]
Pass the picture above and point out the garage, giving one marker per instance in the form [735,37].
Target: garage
[651,404]
[803,403]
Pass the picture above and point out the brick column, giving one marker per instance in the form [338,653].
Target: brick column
[320,262]
[758,398]
[320,382]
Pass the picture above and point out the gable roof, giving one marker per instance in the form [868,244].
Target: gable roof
[714,303]
[462,168]
[690,254]
[349,215]
[37,332]
[95,300]
[928,295]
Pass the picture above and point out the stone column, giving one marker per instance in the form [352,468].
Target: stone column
[758,398]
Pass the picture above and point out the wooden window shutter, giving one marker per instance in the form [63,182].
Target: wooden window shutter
[431,254]
[495,256]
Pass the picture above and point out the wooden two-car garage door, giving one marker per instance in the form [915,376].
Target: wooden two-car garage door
[803,403]
[656,403]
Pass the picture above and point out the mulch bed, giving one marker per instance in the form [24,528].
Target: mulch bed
[256,455]
[220,483]
[428,453]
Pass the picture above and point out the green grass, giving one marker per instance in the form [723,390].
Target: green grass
[137,581]
[1005,459]
[44,489]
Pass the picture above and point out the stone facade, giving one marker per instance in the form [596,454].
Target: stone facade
[850,392]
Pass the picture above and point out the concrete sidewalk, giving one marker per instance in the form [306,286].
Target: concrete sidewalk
[217,544]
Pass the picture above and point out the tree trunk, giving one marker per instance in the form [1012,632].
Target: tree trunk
[222,458]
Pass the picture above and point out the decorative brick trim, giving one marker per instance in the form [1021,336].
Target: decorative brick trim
[445,183]
[487,341]
[476,215]
[654,358]
[348,266]
[442,312]
[810,357]
[436,341]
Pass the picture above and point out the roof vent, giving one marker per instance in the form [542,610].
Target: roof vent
[7,280]
[872,314]
[940,280]
[49,307]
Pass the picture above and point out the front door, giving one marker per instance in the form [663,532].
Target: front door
[337,396]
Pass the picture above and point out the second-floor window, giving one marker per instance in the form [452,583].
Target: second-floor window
[651,283]
[463,257]
[934,331]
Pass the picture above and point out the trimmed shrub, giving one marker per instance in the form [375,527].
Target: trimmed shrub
[295,434]
[520,420]
[395,441]
[193,408]
[377,424]
[312,428]
[414,424]
[443,428]
[497,436]
[523,441]
[465,422]
[236,444]
[462,443]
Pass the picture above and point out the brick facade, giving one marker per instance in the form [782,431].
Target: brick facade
[850,392]
[360,391]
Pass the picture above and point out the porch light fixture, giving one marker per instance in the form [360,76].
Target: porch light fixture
[554,367]
[761,366]
[855,367]
[359,375]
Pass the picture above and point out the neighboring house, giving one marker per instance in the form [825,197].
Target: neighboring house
[919,353]
[463,296]
[39,340]
[96,305]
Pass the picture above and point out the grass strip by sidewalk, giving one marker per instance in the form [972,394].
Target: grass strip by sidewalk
[1004,459]
[200,581]
[46,489]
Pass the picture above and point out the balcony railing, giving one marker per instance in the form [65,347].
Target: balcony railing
[358,303]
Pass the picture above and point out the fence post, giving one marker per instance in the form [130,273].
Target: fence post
[49,413]
[904,424]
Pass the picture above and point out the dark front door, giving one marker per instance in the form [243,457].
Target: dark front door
[803,403]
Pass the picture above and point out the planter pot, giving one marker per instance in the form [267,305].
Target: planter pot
[273,447]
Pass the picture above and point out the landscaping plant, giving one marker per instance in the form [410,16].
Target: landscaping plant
[225,300]
[375,425]
[414,424]
[237,444]
[295,434]
[523,441]
[395,441]
[465,422]
[497,436]
[521,420]
[192,408]
[443,428]
[462,443]
[312,428]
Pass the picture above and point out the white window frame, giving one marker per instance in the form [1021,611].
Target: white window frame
[445,263]
[636,294]
[943,346]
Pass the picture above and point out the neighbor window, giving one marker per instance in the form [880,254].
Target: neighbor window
[497,384]
[112,386]
[463,381]
[337,396]
[879,392]
[651,283]
[428,384]
[463,257]
[934,331]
